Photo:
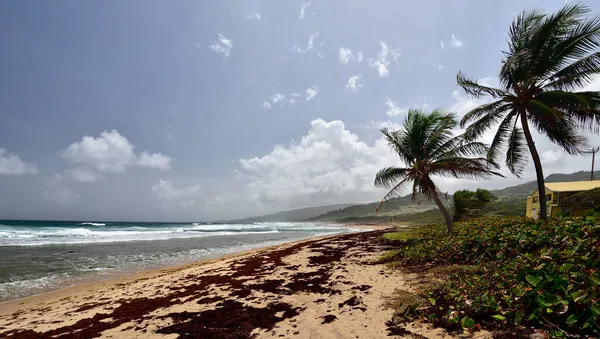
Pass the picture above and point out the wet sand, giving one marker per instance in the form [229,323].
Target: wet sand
[319,288]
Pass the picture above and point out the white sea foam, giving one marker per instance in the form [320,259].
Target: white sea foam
[93,223]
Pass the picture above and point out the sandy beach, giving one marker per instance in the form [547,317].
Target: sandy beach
[319,288]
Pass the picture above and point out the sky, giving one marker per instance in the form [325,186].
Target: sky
[204,110]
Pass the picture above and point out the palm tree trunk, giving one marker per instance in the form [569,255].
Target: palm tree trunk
[538,167]
[443,209]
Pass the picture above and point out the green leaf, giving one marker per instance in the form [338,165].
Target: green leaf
[595,309]
[432,301]
[572,319]
[499,317]
[579,296]
[518,317]
[565,268]
[595,278]
[467,322]
[533,280]
[546,300]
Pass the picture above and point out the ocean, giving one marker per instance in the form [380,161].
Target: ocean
[41,256]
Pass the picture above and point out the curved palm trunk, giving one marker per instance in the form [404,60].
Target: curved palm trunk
[538,167]
[443,209]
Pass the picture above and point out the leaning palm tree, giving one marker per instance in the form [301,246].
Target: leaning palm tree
[428,147]
[548,58]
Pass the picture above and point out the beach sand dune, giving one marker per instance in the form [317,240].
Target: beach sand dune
[321,288]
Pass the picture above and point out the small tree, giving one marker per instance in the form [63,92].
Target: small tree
[428,147]
[467,202]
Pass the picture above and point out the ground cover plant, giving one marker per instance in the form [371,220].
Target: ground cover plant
[525,274]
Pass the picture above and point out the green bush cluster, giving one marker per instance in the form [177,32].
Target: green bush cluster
[540,274]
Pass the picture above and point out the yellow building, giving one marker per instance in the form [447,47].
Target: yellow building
[556,192]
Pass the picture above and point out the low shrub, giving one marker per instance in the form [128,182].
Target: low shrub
[540,274]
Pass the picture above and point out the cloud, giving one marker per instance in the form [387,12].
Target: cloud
[278,97]
[11,164]
[355,82]
[303,10]
[61,196]
[438,66]
[165,190]
[154,160]
[442,46]
[328,164]
[83,174]
[223,46]
[345,55]
[254,16]
[456,42]
[109,153]
[266,105]
[311,44]
[311,92]
[381,62]
[392,108]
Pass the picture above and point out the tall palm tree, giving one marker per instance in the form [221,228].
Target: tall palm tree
[428,147]
[548,58]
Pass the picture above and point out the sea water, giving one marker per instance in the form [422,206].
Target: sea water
[40,256]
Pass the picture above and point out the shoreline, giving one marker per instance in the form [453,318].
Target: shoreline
[324,287]
[133,275]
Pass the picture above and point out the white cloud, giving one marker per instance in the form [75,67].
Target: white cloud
[110,152]
[311,92]
[82,174]
[381,62]
[291,102]
[223,46]
[438,66]
[345,55]
[11,164]
[62,196]
[278,97]
[310,45]
[296,94]
[165,190]
[359,57]
[456,42]
[266,105]
[442,46]
[254,16]
[392,108]
[154,160]
[328,164]
[303,10]
[355,82]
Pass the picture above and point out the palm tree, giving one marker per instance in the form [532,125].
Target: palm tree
[548,58]
[427,146]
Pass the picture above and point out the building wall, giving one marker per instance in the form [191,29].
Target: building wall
[533,204]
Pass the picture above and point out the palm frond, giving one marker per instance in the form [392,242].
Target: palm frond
[475,90]
[582,107]
[557,125]
[516,153]
[393,192]
[575,75]
[388,176]
[465,168]
[502,135]
[485,109]
[479,127]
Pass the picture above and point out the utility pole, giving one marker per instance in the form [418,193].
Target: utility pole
[593,151]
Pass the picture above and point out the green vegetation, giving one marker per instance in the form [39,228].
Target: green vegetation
[548,57]
[522,274]
[427,146]
[587,200]
[470,204]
